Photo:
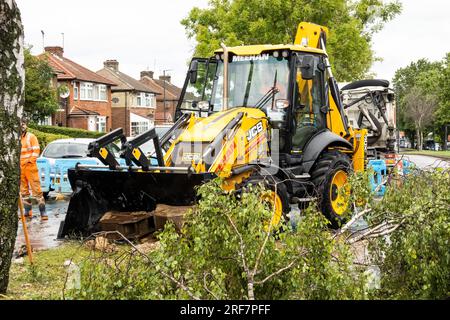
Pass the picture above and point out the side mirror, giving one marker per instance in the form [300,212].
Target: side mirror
[307,67]
[193,71]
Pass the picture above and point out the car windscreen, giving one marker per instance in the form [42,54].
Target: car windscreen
[65,150]
[148,147]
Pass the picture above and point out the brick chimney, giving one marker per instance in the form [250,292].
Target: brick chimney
[111,64]
[147,74]
[56,50]
[166,78]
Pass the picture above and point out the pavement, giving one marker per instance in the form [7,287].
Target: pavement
[424,162]
[43,233]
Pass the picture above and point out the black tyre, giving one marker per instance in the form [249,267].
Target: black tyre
[329,176]
[274,184]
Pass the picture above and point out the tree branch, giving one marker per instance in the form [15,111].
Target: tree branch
[177,282]
[276,273]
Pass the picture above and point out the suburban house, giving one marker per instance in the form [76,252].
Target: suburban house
[167,92]
[133,102]
[87,104]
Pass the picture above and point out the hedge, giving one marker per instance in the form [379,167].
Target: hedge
[45,138]
[69,132]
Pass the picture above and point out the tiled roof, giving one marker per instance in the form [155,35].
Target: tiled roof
[124,82]
[172,91]
[67,69]
[77,111]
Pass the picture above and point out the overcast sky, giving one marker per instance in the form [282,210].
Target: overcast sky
[147,35]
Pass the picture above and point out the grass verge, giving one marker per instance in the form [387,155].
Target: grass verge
[437,154]
[44,280]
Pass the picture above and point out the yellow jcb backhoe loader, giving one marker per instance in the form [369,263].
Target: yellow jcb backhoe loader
[268,114]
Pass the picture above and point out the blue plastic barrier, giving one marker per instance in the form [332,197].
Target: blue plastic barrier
[61,182]
[44,173]
[406,166]
[380,170]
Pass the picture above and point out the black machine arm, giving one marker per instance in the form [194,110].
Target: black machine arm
[181,122]
[98,148]
[132,153]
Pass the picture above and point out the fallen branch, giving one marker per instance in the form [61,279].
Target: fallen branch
[276,273]
[352,221]
[380,230]
[172,278]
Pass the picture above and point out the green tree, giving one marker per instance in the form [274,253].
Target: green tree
[420,107]
[423,76]
[40,95]
[238,22]
[443,112]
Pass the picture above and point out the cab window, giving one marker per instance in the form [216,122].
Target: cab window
[309,98]
[200,89]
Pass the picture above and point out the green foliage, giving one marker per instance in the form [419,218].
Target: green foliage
[45,138]
[237,22]
[415,259]
[224,252]
[424,76]
[408,232]
[47,134]
[70,132]
[443,113]
[40,96]
[433,80]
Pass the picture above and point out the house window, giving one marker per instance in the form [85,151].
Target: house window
[85,91]
[47,121]
[145,100]
[96,92]
[139,100]
[90,91]
[102,92]
[138,127]
[75,91]
[101,124]
[149,100]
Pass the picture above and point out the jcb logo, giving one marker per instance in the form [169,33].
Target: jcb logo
[253,132]
[189,157]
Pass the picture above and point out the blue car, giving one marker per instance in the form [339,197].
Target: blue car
[60,155]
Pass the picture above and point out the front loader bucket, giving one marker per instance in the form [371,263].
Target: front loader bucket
[99,191]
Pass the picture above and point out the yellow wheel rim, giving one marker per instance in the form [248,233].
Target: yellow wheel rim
[274,200]
[339,192]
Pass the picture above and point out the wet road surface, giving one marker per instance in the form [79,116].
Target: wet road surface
[43,234]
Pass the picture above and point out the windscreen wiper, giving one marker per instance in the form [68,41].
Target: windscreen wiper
[269,94]
[72,156]
[266,97]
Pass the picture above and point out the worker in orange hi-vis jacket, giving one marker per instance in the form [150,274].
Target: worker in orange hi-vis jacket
[29,176]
